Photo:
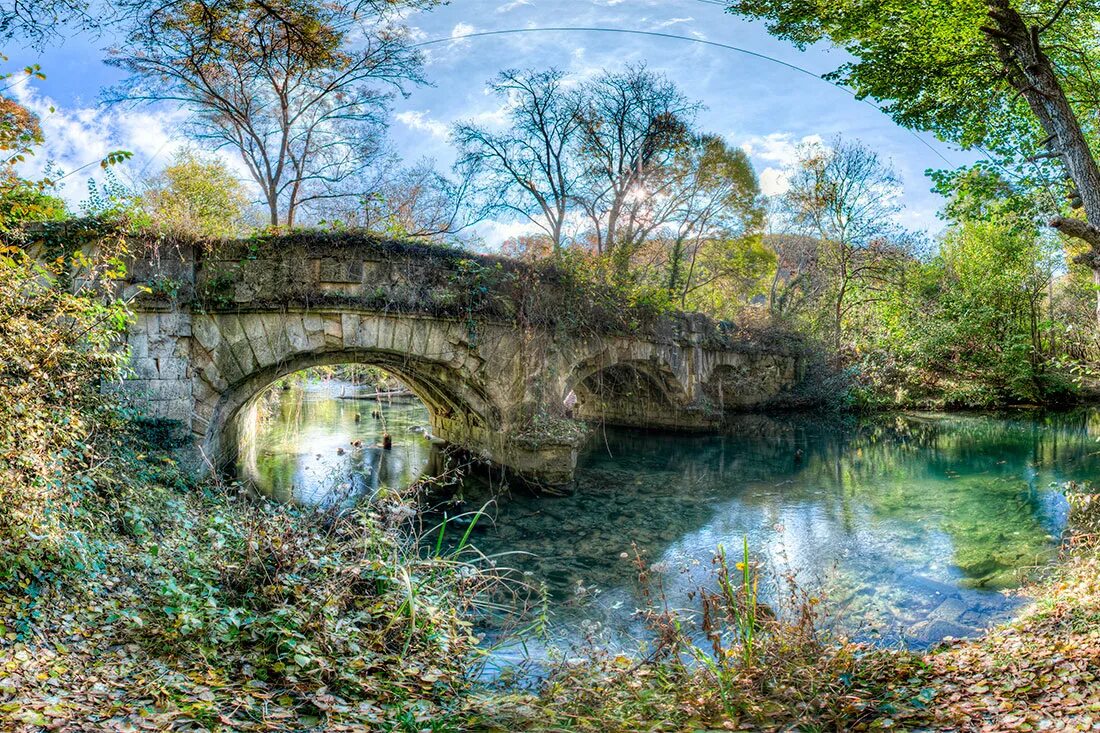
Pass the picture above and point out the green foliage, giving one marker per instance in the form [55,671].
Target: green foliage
[55,413]
[23,202]
[968,71]
[930,62]
[195,197]
[971,327]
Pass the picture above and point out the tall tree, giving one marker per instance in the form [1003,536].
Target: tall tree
[1015,79]
[634,125]
[528,170]
[288,84]
[714,201]
[598,161]
[847,198]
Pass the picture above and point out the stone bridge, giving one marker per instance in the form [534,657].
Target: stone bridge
[492,347]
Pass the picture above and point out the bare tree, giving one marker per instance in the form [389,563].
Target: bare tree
[601,157]
[407,202]
[280,82]
[797,280]
[38,21]
[634,124]
[527,170]
[847,198]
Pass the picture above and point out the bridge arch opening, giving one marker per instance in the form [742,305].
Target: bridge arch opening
[335,435]
[636,393]
[448,403]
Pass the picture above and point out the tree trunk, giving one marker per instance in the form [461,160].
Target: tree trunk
[1030,71]
[1096,282]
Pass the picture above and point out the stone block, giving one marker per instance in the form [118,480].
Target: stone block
[171,410]
[295,332]
[172,368]
[368,332]
[171,389]
[243,292]
[339,270]
[275,328]
[170,323]
[349,328]
[257,338]
[231,329]
[334,330]
[204,410]
[242,354]
[206,331]
[137,387]
[205,388]
[139,345]
[225,364]
[144,367]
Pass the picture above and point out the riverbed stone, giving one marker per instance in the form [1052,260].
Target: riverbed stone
[933,631]
[950,610]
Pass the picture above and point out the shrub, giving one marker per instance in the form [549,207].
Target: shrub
[60,351]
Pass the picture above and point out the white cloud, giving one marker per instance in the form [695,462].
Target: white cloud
[77,138]
[778,151]
[778,147]
[774,181]
[673,21]
[460,30]
[421,121]
[509,7]
[494,232]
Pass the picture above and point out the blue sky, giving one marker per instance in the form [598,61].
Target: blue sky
[754,103]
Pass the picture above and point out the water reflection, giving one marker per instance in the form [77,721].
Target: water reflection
[319,442]
[909,526]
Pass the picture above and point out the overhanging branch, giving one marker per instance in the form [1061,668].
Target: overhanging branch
[1078,229]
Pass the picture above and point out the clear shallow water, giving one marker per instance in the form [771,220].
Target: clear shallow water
[302,449]
[911,528]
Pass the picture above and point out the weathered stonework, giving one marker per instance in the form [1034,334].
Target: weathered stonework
[234,326]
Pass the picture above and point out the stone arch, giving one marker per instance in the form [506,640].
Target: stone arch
[238,357]
[634,392]
[744,381]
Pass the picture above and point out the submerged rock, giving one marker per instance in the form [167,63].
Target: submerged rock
[932,631]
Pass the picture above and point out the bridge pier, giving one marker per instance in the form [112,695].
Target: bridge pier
[547,464]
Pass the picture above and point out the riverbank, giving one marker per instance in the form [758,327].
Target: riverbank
[1040,672]
[201,609]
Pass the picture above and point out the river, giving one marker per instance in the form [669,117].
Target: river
[908,528]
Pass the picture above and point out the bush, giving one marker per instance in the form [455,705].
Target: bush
[60,351]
